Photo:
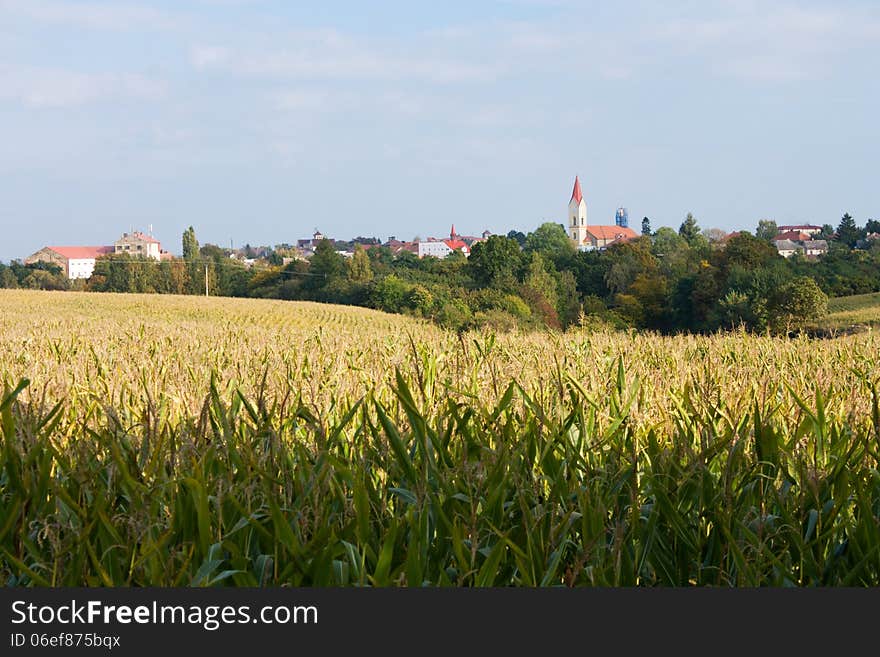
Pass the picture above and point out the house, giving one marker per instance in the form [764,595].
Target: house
[810,229]
[139,244]
[815,247]
[75,261]
[433,247]
[310,244]
[458,243]
[587,237]
[787,248]
[470,240]
[440,248]
[794,236]
[79,261]
[601,237]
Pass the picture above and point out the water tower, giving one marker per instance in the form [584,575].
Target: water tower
[621,218]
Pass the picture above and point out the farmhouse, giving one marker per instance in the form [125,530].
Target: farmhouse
[139,244]
[815,247]
[76,261]
[787,248]
[810,229]
[794,236]
[79,261]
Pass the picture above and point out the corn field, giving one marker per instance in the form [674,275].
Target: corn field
[183,441]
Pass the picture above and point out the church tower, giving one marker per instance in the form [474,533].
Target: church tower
[577,215]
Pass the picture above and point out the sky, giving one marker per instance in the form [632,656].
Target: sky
[259,121]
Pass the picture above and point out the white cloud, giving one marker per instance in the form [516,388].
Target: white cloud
[296,100]
[761,43]
[90,15]
[53,88]
[329,54]
[204,57]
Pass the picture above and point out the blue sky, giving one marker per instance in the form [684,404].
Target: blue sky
[259,120]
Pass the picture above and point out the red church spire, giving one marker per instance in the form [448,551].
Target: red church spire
[576,192]
[452,233]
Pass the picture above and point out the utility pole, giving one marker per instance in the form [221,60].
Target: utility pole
[206,280]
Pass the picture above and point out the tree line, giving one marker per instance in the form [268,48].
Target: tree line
[664,280]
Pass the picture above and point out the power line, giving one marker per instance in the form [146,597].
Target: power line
[210,261]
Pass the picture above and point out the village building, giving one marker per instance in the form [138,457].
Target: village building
[794,236]
[810,229]
[440,248]
[79,261]
[815,247]
[75,261]
[139,244]
[311,244]
[787,248]
[588,237]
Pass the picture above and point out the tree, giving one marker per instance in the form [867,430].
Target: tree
[519,236]
[766,230]
[551,241]
[827,231]
[847,231]
[689,229]
[666,241]
[494,263]
[796,304]
[672,251]
[212,252]
[7,277]
[190,244]
[173,277]
[390,294]
[646,226]
[359,270]
[42,279]
[715,236]
[746,251]
[540,280]
[625,261]
[568,304]
[651,291]
[325,265]
[872,226]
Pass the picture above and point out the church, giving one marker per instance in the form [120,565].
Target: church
[588,237]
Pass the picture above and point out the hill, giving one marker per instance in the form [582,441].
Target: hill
[852,311]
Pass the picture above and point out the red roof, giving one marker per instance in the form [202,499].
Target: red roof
[611,232]
[456,244]
[793,235]
[81,252]
[576,192]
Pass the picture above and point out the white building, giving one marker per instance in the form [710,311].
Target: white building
[809,229]
[138,244]
[435,248]
[76,261]
[787,248]
[442,248]
[815,247]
